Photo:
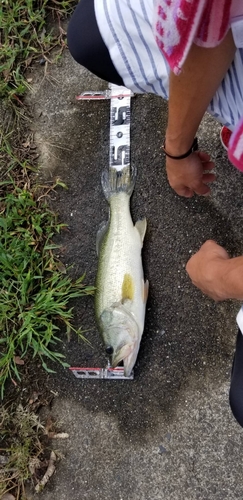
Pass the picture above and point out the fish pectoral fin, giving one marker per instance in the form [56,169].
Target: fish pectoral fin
[141,226]
[145,291]
[101,234]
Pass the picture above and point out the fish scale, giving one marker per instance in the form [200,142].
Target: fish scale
[117,244]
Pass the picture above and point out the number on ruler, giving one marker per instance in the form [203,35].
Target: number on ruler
[121,115]
[120,155]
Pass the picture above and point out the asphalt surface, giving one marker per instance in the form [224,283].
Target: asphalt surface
[169,434]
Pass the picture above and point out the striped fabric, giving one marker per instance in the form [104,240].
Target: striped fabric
[126,27]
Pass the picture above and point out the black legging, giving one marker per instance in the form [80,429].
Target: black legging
[236,387]
[87,46]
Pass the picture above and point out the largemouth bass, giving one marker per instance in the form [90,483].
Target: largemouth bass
[121,292]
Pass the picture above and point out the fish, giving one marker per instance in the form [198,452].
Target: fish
[121,292]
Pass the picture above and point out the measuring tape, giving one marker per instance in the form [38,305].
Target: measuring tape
[101,373]
[120,120]
[119,157]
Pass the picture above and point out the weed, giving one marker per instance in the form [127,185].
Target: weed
[22,454]
[35,288]
[34,293]
[23,39]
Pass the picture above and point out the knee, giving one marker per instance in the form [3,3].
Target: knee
[236,386]
[80,32]
[74,39]
[236,402]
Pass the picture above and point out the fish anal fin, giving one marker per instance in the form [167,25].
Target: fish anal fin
[101,234]
[128,288]
[145,290]
[141,226]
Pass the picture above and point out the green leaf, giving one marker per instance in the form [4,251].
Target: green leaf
[46,368]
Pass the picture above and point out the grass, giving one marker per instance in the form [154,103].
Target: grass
[35,287]
[35,292]
[24,39]
[26,449]
[20,431]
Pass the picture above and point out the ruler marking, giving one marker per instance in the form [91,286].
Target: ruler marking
[120,119]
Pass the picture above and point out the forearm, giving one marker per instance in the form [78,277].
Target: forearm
[191,92]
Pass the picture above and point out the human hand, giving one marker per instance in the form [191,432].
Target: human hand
[189,176]
[208,269]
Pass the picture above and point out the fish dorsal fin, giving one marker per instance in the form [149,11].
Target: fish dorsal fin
[128,288]
[100,235]
[141,226]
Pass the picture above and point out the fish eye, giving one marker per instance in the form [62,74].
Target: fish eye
[109,350]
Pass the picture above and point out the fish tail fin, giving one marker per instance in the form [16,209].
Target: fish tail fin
[115,181]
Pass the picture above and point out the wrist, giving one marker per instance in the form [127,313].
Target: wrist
[177,145]
[232,278]
[181,156]
[228,276]
[219,278]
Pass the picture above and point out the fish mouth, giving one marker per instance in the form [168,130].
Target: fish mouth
[120,332]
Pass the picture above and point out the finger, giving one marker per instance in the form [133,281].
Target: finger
[208,178]
[212,246]
[209,246]
[186,192]
[208,165]
[209,242]
[204,190]
[189,266]
[203,156]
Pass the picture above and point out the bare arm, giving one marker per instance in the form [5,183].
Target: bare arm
[190,95]
[218,276]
